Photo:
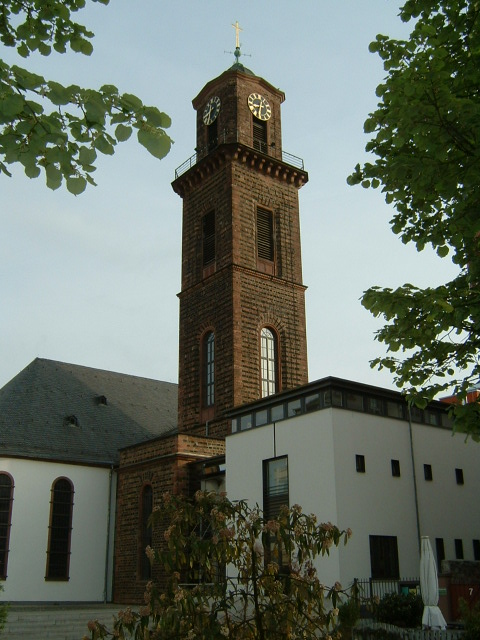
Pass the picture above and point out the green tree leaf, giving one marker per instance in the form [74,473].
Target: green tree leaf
[155,141]
[424,135]
[63,141]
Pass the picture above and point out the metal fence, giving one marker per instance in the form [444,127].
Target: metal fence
[373,589]
[369,630]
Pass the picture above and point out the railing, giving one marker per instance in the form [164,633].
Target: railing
[369,630]
[371,588]
[227,137]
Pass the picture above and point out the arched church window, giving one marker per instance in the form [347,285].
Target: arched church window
[209,369]
[6,502]
[146,531]
[59,530]
[268,362]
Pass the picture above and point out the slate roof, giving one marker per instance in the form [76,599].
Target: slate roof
[39,406]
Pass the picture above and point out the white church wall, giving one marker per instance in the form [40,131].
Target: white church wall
[33,480]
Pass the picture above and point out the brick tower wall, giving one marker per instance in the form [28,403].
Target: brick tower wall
[163,463]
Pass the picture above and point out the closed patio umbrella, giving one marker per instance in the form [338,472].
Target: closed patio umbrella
[432,616]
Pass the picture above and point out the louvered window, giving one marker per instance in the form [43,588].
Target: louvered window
[6,500]
[146,531]
[61,507]
[208,233]
[265,247]
[260,135]
[213,135]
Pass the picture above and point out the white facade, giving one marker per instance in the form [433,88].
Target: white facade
[322,447]
[91,536]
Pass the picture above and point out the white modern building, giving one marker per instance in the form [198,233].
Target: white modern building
[355,456]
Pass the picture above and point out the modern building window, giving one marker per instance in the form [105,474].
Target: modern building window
[360,463]
[265,243]
[355,401]
[395,468]
[146,533]
[60,530]
[427,472]
[268,362]
[440,551]
[209,369]
[384,558]
[6,502]
[458,548]
[459,476]
[476,550]
[208,238]
[275,496]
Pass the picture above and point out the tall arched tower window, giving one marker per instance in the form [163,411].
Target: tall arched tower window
[209,369]
[268,362]
[6,501]
[146,532]
[59,530]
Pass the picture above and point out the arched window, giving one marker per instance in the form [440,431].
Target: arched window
[59,530]
[268,362]
[6,502]
[209,369]
[146,533]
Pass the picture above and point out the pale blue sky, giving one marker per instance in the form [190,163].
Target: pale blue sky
[93,280]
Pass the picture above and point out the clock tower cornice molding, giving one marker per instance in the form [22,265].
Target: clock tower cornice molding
[246,78]
[235,152]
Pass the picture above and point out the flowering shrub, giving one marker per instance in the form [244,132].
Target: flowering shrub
[233,574]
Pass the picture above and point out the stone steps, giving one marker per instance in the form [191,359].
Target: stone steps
[56,622]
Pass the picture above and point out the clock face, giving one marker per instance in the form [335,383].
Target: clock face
[211,110]
[259,106]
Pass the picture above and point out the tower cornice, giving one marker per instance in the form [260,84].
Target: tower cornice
[198,169]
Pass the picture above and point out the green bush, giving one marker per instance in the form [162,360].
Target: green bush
[348,614]
[471,619]
[3,613]
[400,609]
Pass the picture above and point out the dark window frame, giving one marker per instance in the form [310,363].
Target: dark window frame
[459,476]
[476,549]
[208,239]
[428,472]
[275,497]
[459,555]
[7,487]
[60,530]
[265,229]
[384,562]
[395,464]
[146,531]
[208,374]
[360,463]
[440,552]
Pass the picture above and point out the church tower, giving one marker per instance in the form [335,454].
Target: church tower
[242,306]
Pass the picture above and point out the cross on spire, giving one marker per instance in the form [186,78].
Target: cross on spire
[237,28]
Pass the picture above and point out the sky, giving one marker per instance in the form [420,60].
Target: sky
[93,279]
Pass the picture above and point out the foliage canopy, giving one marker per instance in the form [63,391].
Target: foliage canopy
[425,136]
[230,573]
[59,129]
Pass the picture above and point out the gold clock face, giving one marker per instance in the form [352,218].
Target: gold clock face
[259,106]
[211,110]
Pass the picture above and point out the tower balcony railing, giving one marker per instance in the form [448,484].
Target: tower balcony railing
[253,143]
